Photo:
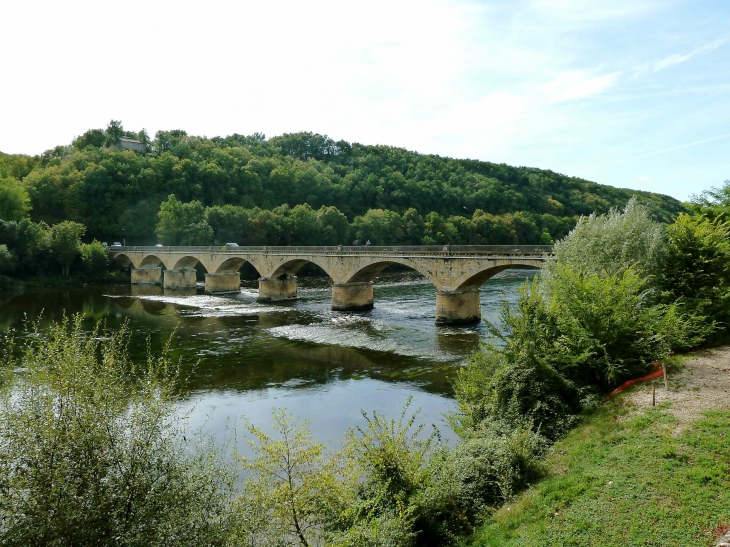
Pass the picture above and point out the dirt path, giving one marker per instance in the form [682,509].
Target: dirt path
[703,384]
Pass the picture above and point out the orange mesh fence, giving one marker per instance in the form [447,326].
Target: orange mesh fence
[656,374]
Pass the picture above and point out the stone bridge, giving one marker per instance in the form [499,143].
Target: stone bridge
[457,271]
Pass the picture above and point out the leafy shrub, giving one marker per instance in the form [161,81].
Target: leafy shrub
[491,466]
[611,242]
[94,258]
[293,491]
[91,452]
[696,270]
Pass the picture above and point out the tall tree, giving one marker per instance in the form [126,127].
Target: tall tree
[14,200]
[66,243]
[114,132]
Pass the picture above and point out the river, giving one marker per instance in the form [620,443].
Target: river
[243,358]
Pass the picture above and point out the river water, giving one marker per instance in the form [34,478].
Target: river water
[243,358]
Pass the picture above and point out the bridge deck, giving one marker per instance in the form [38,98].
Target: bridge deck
[371,250]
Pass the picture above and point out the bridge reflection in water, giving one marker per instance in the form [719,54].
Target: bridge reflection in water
[457,271]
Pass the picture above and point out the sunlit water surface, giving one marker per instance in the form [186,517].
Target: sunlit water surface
[243,359]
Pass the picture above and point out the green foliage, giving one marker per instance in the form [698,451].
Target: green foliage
[629,481]
[296,491]
[713,203]
[28,242]
[103,187]
[520,382]
[92,453]
[94,258]
[65,243]
[696,268]
[96,138]
[183,223]
[7,260]
[14,200]
[591,322]
[612,242]
[114,132]
[493,465]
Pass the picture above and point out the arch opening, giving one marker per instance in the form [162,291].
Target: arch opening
[151,261]
[122,261]
[478,279]
[289,269]
[370,272]
[240,265]
[186,262]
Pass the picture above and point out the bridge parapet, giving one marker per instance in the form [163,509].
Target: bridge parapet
[418,250]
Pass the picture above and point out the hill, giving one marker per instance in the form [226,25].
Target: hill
[411,197]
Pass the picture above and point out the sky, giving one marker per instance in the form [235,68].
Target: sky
[631,93]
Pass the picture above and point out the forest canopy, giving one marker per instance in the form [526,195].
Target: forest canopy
[300,188]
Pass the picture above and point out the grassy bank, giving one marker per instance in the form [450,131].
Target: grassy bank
[633,474]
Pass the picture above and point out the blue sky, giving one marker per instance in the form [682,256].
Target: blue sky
[632,93]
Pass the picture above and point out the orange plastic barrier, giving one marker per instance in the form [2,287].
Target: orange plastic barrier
[656,374]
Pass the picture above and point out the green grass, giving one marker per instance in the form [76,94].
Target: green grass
[621,478]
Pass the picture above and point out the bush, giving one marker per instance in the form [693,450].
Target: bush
[612,242]
[491,466]
[562,350]
[7,260]
[293,491]
[94,258]
[91,451]
[696,269]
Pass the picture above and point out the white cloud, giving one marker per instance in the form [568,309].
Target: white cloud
[573,85]
[677,58]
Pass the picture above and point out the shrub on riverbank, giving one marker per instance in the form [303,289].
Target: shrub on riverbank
[92,453]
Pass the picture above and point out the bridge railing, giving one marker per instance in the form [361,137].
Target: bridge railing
[451,250]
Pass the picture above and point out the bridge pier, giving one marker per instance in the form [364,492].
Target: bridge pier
[352,296]
[458,307]
[185,278]
[146,276]
[276,290]
[223,282]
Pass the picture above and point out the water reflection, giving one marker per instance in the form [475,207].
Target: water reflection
[242,357]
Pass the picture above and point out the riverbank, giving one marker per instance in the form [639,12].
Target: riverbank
[633,473]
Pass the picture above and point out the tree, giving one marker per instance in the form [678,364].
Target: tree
[94,258]
[294,485]
[228,222]
[7,260]
[305,228]
[612,242]
[335,228]
[14,199]
[696,267]
[183,223]
[65,243]
[114,132]
[96,138]
[379,227]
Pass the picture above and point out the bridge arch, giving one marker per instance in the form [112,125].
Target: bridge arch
[477,279]
[122,260]
[151,261]
[290,268]
[188,262]
[371,271]
[233,264]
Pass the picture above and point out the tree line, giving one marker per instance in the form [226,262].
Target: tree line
[116,194]
[194,224]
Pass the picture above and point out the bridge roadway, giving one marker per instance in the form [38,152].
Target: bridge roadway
[457,271]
